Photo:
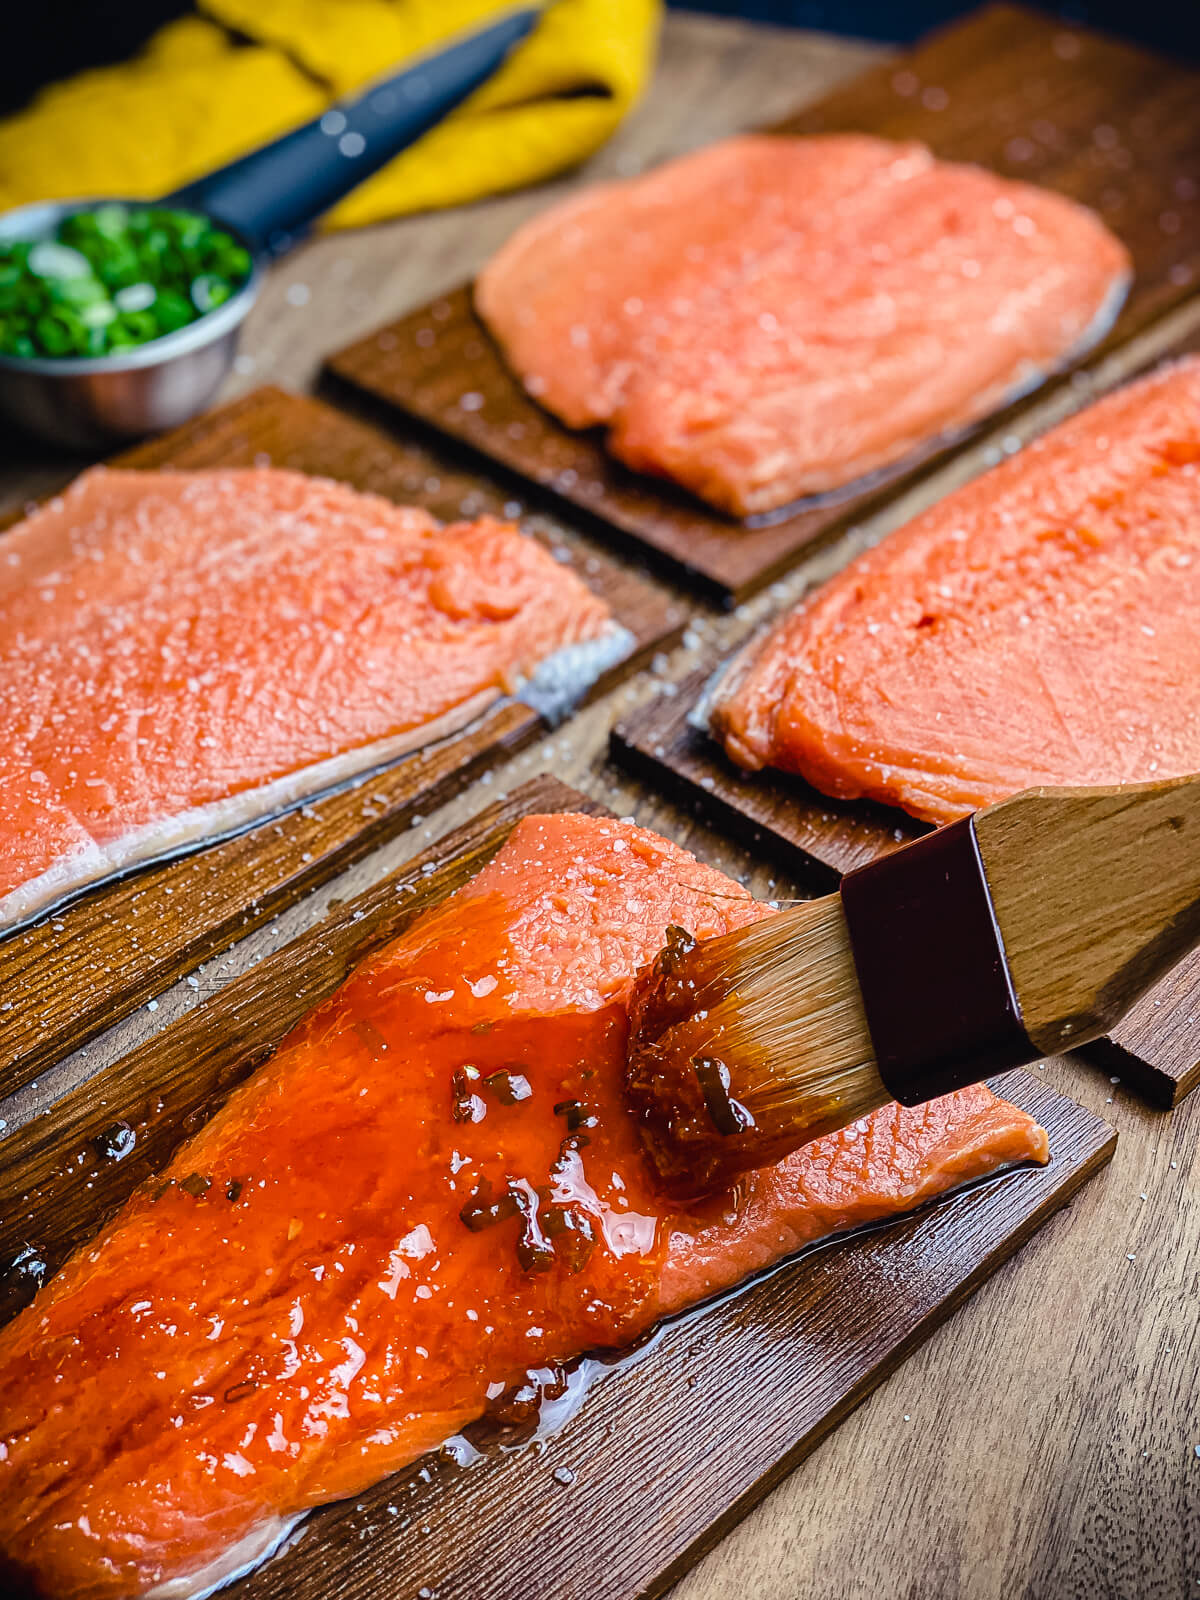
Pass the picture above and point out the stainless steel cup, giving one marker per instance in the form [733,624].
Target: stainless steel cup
[95,402]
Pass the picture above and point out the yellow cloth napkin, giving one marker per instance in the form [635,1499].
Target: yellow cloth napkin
[208,88]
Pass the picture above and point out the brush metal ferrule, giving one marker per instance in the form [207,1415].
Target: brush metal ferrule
[935,983]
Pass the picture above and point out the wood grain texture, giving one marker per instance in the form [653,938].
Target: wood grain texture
[1155,1049]
[77,971]
[1099,121]
[760,1376]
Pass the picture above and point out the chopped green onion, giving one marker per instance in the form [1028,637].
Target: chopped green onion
[209,292]
[50,260]
[109,221]
[135,297]
[60,333]
[174,310]
[115,277]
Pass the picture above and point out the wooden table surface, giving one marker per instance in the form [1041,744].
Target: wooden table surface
[1045,1442]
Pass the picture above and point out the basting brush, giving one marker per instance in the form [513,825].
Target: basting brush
[1028,928]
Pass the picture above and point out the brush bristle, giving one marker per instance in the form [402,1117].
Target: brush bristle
[744,1047]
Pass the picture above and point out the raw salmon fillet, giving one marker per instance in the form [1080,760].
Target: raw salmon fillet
[183,652]
[431,1188]
[1038,626]
[772,318]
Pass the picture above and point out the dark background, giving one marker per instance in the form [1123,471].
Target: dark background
[48,39]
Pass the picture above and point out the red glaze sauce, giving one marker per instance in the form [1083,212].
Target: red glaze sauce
[421,1198]
[397,1219]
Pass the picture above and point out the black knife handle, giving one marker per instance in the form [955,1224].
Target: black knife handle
[275,192]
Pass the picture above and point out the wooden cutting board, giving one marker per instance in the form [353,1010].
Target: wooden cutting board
[1100,121]
[72,974]
[1154,1050]
[672,1445]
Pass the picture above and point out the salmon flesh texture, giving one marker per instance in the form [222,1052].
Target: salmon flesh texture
[431,1188]
[1037,626]
[185,652]
[773,318]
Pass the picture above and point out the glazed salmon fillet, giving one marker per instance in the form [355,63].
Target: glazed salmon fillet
[773,318]
[1037,626]
[181,653]
[431,1188]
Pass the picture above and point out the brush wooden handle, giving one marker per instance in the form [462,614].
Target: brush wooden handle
[985,944]
[1027,928]
[1096,893]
